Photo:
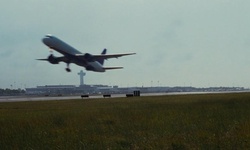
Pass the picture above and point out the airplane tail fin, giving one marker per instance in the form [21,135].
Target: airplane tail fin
[104,51]
[101,60]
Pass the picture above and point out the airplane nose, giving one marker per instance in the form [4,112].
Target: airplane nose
[45,40]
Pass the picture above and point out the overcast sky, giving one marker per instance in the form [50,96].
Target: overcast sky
[196,43]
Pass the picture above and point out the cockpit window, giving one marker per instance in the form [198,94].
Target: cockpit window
[49,36]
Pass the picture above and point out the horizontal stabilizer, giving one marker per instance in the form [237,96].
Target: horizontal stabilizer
[110,68]
[43,59]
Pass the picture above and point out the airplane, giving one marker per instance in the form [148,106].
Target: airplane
[71,55]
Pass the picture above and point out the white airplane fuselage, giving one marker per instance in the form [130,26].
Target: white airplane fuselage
[70,53]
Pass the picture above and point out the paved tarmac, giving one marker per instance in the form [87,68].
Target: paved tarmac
[39,98]
[46,98]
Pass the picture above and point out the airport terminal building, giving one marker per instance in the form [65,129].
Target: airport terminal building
[73,90]
[60,89]
[105,89]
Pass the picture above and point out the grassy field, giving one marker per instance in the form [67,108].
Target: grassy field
[212,121]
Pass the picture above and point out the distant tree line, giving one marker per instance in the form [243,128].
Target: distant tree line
[11,91]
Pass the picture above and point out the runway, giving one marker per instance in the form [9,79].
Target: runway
[40,98]
[47,98]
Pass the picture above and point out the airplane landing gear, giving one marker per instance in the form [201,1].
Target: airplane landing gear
[68,69]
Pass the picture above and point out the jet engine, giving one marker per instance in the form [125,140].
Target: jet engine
[90,68]
[52,59]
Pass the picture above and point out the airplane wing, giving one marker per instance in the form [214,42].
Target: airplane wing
[110,68]
[54,59]
[108,56]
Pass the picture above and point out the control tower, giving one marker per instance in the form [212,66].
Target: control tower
[81,74]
